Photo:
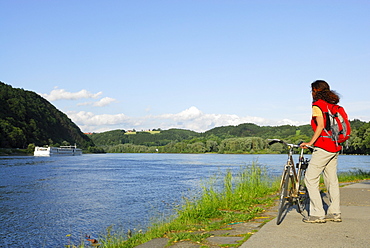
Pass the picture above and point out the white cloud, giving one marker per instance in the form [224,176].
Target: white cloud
[188,114]
[191,119]
[89,118]
[196,120]
[62,94]
[59,94]
[101,103]
[104,102]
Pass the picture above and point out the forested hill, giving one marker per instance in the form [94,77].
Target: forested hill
[243,138]
[253,130]
[116,137]
[27,118]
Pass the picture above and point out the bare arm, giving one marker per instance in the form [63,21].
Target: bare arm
[319,128]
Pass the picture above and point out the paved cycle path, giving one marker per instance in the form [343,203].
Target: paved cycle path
[354,231]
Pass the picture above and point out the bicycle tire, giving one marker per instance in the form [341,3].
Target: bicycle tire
[302,193]
[283,195]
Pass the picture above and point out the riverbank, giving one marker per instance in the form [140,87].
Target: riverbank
[13,152]
[231,227]
[260,232]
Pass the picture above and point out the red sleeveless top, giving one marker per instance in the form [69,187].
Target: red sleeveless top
[324,141]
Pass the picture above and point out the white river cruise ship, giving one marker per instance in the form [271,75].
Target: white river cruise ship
[63,150]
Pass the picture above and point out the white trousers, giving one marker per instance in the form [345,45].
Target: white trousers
[326,163]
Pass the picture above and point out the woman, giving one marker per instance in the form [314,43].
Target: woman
[324,157]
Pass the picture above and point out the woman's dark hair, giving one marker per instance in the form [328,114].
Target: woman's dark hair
[321,90]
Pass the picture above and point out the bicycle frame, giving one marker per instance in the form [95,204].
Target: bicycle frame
[293,173]
[292,187]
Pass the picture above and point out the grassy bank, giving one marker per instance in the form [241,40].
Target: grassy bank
[231,198]
[353,176]
[227,198]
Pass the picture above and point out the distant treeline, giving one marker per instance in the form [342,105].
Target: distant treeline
[244,138]
[28,120]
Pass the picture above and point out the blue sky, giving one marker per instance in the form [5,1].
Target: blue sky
[192,64]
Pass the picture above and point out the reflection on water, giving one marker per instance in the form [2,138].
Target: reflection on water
[42,199]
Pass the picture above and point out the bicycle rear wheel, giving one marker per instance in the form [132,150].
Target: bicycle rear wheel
[302,200]
[283,196]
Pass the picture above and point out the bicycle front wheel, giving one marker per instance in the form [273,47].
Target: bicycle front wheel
[283,196]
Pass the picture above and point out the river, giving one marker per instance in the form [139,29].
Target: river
[51,201]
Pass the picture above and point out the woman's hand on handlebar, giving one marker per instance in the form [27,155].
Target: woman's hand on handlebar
[305,145]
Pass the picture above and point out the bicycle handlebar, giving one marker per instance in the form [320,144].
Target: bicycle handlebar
[273,141]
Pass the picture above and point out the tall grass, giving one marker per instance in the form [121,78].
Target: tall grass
[352,176]
[233,198]
[237,197]
[224,199]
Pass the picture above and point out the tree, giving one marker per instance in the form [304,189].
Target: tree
[27,118]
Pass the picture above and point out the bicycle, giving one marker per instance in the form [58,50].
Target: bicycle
[292,188]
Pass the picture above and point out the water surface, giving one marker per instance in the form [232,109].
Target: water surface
[43,199]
